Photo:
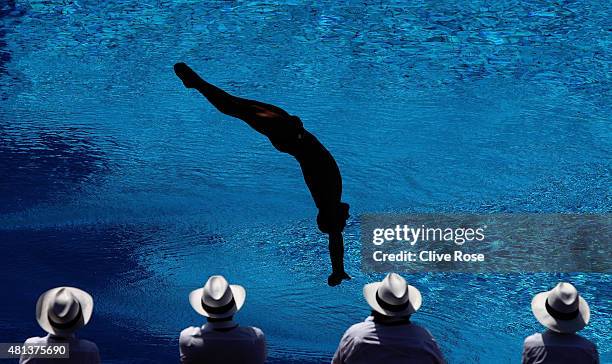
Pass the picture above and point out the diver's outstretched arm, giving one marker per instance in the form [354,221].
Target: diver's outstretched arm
[336,254]
[258,115]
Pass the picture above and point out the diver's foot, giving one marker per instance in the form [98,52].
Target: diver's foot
[335,279]
[187,75]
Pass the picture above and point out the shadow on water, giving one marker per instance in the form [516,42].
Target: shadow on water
[49,164]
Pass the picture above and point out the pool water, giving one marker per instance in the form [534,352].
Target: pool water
[116,179]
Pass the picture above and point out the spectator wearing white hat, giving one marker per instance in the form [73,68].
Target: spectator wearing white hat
[563,312]
[61,312]
[221,340]
[388,336]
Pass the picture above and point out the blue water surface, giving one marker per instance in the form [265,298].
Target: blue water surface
[116,179]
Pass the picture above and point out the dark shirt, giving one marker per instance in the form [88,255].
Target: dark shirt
[372,342]
[222,342]
[552,347]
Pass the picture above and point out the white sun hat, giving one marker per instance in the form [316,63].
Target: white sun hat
[393,296]
[561,309]
[217,299]
[63,310]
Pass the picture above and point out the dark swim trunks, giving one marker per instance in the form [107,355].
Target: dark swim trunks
[333,219]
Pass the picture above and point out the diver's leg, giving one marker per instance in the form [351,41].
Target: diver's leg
[262,117]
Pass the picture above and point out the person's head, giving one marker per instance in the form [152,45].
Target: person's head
[62,311]
[392,299]
[561,309]
[217,300]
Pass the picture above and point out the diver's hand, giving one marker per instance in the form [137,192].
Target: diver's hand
[336,278]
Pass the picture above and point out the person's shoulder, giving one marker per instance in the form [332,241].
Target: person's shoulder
[420,329]
[189,333]
[252,333]
[417,331]
[36,340]
[87,345]
[583,341]
[359,330]
[533,340]
[256,331]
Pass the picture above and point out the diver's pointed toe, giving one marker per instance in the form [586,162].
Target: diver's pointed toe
[187,75]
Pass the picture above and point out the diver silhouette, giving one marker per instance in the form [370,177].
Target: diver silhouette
[287,134]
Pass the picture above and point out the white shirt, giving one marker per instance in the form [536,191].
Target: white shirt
[222,342]
[552,347]
[372,342]
[81,351]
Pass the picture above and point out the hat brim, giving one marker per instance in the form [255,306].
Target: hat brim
[538,307]
[45,302]
[239,293]
[414,298]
